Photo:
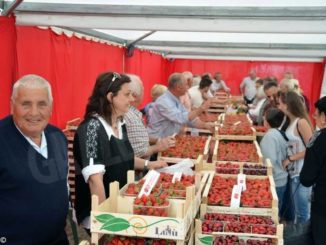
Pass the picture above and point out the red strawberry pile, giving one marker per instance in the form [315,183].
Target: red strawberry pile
[186,146]
[231,240]
[164,183]
[120,240]
[256,169]
[234,168]
[240,129]
[260,129]
[237,151]
[227,168]
[208,117]
[214,222]
[257,194]
[152,205]
[231,119]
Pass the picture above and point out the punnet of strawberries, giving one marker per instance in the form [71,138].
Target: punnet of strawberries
[256,195]
[231,240]
[186,146]
[121,240]
[154,205]
[164,183]
[241,129]
[237,151]
[215,222]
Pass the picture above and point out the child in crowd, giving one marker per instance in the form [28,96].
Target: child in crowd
[274,147]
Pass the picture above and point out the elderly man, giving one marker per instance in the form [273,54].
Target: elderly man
[185,99]
[248,87]
[136,130]
[169,115]
[33,168]
[218,84]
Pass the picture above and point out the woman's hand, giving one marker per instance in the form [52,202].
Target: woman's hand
[156,164]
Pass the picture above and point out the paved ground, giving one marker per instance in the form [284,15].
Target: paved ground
[82,235]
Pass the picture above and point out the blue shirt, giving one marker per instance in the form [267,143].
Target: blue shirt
[168,116]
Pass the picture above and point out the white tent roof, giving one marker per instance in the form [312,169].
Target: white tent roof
[224,29]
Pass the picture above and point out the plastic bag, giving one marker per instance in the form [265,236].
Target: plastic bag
[185,166]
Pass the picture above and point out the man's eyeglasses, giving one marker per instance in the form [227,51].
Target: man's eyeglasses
[114,77]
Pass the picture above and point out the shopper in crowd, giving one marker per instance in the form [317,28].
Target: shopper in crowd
[138,136]
[33,168]
[248,87]
[298,132]
[271,92]
[169,115]
[218,84]
[102,151]
[198,94]
[156,91]
[313,173]
[258,102]
[274,147]
[287,85]
[196,80]
[185,99]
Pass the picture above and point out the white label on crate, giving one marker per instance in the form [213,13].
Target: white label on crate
[236,123]
[236,196]
[176,177]
[151,179]
[242,181]
[194,132]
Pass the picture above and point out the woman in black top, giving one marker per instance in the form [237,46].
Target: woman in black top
[102,151]
[313,173]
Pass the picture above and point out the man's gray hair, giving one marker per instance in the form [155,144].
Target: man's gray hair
[32,81]
[187,75]
[175,79]
[136,85]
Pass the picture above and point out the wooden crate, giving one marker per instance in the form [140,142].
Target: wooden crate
[189,240]
[251,137]
[216,110]
[201,178]
[198,132]
[208,239]
[244,210]
[115,216]
[179,159]
[260,156]
[202,165]
[273,216]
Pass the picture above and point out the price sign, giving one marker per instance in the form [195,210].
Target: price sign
[236,196]
[151,179]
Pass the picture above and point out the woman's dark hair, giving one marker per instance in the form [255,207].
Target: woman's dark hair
[295,105]
[205,82]
[274,117]
[98,102]
[321,105]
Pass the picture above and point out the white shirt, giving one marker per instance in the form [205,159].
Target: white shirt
[249,86]
[42,149]
[196,96]
[215,86]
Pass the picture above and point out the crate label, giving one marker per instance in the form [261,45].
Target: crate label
[236,195]
[151,179]
[176,177]
[242,181]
